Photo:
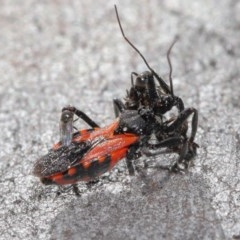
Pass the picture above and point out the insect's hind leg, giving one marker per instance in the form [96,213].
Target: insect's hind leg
[76,190]
[66,123]
[131,155]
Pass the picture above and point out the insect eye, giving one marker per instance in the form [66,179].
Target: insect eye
[140,82]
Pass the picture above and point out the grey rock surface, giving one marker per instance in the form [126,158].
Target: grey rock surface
[56,53]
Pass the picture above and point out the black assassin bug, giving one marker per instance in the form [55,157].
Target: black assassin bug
[88,153]
[161,99]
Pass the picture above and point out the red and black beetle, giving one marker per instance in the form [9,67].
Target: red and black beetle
[95,151]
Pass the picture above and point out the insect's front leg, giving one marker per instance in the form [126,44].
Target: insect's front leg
[186,154]
[171,143]
[182,117]
[189,149]
[175,167]
[180,122]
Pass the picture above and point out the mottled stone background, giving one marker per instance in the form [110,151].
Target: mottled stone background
[60,52]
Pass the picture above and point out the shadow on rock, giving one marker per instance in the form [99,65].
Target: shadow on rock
[155,206]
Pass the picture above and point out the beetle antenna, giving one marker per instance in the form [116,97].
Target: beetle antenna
[170,64]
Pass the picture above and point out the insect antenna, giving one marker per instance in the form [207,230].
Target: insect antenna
[170,64]
[160,80]
[129,42]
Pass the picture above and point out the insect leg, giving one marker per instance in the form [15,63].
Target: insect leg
[131,155]
[66,127]
[170,142]
[176,166]
[118,106]
[66,123]
[81,115]
[178,102]
[76,190]
[183,116]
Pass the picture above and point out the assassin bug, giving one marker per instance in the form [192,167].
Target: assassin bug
[161,99]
